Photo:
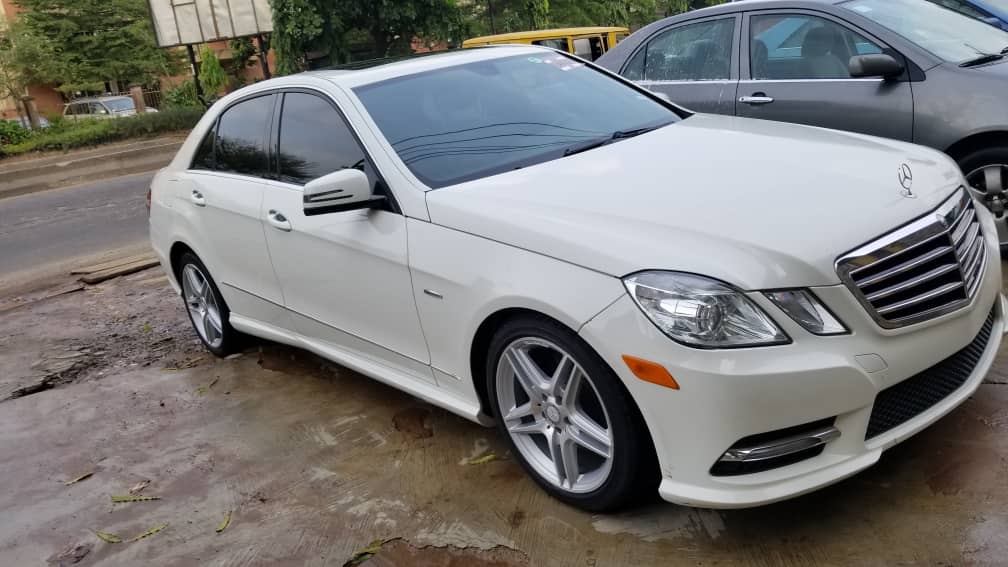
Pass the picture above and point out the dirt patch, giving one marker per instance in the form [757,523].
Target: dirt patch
[400,553]
[412,423]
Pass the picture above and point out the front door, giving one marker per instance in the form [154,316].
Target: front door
[795,70]
[694,63]
[344,275]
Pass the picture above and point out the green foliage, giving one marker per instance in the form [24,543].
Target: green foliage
[182,95]
[12,133]
[211,75]
[69,134]
[82,42]
[303,26]
[243,52]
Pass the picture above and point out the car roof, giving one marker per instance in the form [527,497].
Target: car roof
[541,34]
[98,98]
[373,71]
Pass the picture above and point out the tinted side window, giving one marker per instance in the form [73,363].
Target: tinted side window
[241,137]
[694,52]
[205,152]
[799,46]
[560,44]
[314,140]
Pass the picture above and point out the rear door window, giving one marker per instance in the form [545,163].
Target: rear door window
[241,137]
[693,52]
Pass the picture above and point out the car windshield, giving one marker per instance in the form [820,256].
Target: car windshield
[119,104]
[478,119]
[947,34]
[999,5]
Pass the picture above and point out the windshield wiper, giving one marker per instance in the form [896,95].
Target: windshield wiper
[617,135]
[984,58]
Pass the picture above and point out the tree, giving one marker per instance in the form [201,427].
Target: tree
[82,42]
[301,27]
[211,75]
[12,79]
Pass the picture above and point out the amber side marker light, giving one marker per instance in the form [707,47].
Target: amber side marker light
[650,371]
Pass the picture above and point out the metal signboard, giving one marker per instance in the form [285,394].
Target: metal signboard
[189,22]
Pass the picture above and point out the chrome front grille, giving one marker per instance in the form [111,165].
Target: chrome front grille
[927,268]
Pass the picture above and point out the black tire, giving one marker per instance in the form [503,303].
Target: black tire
[980,158]
[634,473]
[231,340]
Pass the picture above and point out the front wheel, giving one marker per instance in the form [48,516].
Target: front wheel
[986,172]
[207,310]
[567,417]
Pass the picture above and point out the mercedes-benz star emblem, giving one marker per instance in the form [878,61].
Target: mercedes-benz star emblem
[906,180]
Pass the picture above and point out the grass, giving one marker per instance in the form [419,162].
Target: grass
[68,134]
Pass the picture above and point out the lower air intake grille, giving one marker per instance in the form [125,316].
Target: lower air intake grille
[902,402]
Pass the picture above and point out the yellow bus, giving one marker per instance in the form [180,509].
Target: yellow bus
[587,43]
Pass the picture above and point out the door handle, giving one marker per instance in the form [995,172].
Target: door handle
[197,198]
[278,221]
[756,99]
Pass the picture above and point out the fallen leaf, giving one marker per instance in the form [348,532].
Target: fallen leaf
[78,479]
[138,487]
[150,532]
[108,537]
[146,329]
[365,554]
[482,460]
[204,389]
[120,498]
[224,523]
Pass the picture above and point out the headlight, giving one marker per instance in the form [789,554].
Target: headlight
[702,312]
[807,311]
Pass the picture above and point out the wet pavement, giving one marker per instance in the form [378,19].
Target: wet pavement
[317,465]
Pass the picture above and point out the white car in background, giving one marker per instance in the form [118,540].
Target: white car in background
[729,311]
[101,107]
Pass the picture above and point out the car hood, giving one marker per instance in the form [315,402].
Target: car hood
[755,203]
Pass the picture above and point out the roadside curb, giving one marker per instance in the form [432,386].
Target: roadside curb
[53,172]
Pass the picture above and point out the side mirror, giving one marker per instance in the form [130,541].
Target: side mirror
[343,190]
[874,65]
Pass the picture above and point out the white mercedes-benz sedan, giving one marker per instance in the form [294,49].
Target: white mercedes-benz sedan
[728,311]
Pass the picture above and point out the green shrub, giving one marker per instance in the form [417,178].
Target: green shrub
[70,134]
[182,95]
[12,133]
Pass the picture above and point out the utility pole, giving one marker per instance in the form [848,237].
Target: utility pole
[493,28]
[263,61]
[195,73]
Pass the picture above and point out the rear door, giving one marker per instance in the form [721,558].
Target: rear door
[795,70]
[222,196]
[695,63]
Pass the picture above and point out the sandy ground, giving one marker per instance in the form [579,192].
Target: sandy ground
[314,463]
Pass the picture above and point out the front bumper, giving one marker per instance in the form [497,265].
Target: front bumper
[727,395]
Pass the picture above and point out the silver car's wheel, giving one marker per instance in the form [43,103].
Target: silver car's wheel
[202,305]
[554,414]
[990,184]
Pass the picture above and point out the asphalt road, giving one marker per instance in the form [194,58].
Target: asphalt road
[42,233]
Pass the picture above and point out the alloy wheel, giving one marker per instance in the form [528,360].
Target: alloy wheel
[554,415]
[990,184]
[202,305]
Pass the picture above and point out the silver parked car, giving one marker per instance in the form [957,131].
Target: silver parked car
[904,69]
[102,107]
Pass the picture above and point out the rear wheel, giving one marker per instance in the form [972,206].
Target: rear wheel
[207,310]
[986,172]
[567,417]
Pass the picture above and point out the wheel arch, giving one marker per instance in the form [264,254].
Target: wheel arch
[976,141]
